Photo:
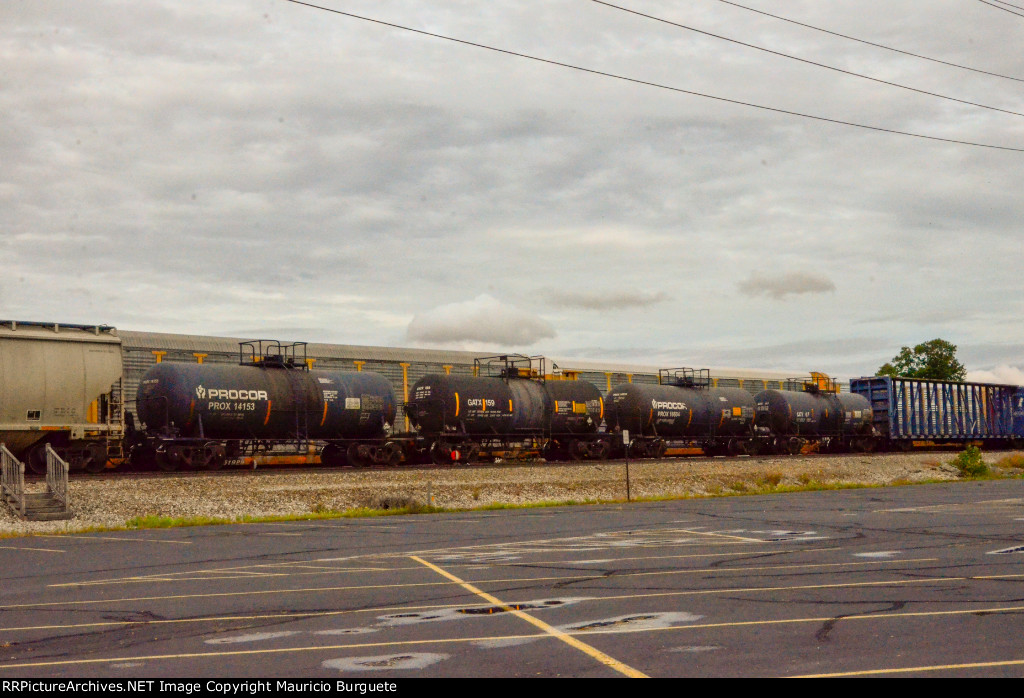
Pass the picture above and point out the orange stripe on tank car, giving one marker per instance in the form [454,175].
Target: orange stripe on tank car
[456,404]
[689,419]
[602,406]
[191,411]
[267,418]
[324,418]
[510,404]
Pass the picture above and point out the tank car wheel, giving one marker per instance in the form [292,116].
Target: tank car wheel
[637,449]
[658,449]
[735,447]
[332,456]
[392,454]
[356,456]
[472,452]
[213,456]
[600,450]
[440,453]
[577,449]
[164,461]
[794,445]
[142,457]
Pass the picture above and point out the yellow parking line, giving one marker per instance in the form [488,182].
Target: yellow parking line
[592,652]
[911,669]
[41,550]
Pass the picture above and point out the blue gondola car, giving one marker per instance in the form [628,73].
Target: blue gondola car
[943,412]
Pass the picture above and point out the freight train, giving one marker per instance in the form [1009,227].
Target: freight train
[55,388]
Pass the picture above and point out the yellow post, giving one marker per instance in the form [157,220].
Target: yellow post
[359,365]
[309,363]
[405,389]
[447,370]
[609,377]
[199,357]
[629,377]
[159,355]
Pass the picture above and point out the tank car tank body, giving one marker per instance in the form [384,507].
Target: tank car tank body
[513,407]
[681,411]
[199,414]
[787,420]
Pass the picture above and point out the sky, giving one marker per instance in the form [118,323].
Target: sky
[266,168]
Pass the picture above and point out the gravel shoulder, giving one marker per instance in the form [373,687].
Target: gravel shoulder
[111,502]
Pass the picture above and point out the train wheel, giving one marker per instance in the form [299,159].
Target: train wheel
[35,460]
[392,454]
[577,449]
[94,458]
[441,453]
[735,447]
[142,457]
[332,456]
[658,449]
[794,446]
[213,456]
[600,450]
[164,461]
[472,452]
[637,449]
[357,456]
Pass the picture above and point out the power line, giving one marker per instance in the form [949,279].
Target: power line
[871,43]
[803,60]
[648,83]
[999,7]
[1009,4]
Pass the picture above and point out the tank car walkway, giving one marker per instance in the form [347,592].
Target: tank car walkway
[920,581]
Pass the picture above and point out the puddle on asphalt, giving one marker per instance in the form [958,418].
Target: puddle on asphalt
[634,621]
[394,619]
[645,621]
[345,631]
[251,637]
[412,660]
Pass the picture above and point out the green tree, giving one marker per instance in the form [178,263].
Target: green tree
[935,359]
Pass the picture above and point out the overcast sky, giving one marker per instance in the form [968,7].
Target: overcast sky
[263,168]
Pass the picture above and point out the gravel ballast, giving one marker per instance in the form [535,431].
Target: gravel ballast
[112,501]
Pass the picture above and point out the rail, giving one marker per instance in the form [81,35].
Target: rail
[57,476]
[13,480]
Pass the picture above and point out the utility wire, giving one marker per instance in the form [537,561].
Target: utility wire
[803,60]
[648,83]
[871,43]
[1000,7]
[1009,4]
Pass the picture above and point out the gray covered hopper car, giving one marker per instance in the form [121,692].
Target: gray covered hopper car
[60,384]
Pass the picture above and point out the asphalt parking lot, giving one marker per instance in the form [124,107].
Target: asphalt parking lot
[920,581]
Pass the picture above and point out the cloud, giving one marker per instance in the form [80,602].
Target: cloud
[603,300]
[1000,374]
[780,286]
[483,319]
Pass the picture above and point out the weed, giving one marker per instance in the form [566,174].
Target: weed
[971,463]
[738,486]
[1012,461]
[771,479]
